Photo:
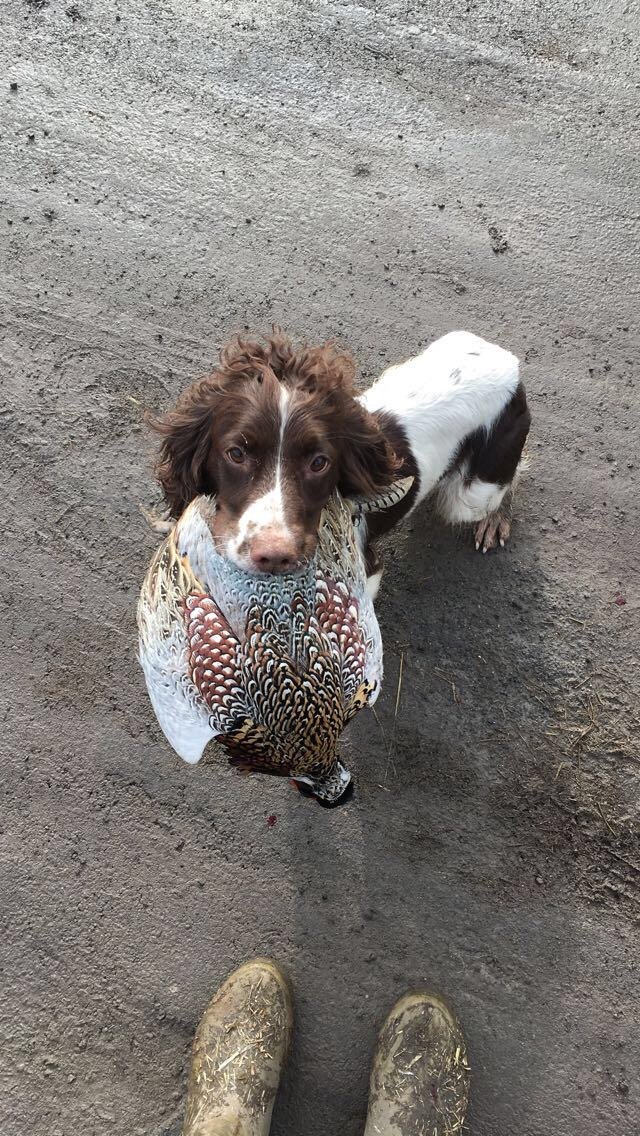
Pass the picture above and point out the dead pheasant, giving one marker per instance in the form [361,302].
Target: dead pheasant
[271,667]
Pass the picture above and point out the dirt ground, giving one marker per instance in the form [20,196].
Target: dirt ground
[173,171]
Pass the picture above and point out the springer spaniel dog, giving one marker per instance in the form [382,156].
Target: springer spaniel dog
[275,429]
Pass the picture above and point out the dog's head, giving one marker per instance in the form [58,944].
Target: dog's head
[272,433]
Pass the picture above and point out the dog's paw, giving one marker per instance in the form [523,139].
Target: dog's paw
[492,531]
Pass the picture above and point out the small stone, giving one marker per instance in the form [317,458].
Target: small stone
[623,1088]
[539,880]
[13,86]
[499,242]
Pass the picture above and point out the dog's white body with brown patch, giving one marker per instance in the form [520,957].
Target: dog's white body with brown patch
[458,385]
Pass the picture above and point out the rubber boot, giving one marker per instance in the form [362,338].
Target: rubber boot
[238,1054]
[420,1076]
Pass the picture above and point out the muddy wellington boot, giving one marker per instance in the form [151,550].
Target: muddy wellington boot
[420,1076]
[238,1053]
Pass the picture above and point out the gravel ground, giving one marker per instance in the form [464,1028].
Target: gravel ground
[173,171]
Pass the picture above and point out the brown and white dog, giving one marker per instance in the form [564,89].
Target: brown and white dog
[275,429]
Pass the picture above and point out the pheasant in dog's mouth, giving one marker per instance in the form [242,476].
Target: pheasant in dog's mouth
[272,667]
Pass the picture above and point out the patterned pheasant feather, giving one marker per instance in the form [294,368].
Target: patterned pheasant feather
[272,667]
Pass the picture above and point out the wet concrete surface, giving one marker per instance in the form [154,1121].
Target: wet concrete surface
[172,172]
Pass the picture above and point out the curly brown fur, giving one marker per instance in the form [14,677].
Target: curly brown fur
[284,407]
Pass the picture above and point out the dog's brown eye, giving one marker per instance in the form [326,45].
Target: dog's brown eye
[235,454]
[319,463]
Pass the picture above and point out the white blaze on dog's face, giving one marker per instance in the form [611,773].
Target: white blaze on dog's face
[271,435]
[266,536]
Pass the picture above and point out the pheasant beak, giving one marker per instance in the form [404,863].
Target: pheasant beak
[335,789]
[334,802]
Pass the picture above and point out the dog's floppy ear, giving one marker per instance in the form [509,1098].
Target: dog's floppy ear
[368,464]
[182,466]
